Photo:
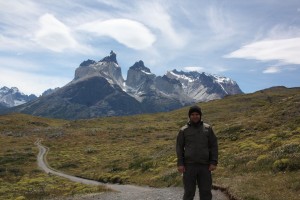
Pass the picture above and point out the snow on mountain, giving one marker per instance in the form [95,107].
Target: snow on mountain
[203,86]
[10,97]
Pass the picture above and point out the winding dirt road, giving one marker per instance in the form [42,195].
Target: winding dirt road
[122,192]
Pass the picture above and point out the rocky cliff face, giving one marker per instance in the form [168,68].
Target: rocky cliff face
[98,89]
[139,81]
[107,68]
[154,92]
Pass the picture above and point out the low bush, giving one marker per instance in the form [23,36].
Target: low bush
[281,165]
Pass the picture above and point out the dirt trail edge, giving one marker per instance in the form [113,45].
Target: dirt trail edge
[122,192]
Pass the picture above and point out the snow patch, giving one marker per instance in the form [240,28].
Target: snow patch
[182,77]
[19,102]
[148,73]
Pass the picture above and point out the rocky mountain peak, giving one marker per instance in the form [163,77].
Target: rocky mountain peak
[4,89]
[107,68]
[10,97]
[87,63]
[98,89]
[111,58]
[182,74]
[139,66]
[139,77]
[203,86]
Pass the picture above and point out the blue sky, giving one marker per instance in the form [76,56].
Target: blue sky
[256,43]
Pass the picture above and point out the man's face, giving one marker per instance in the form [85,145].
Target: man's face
[195,117]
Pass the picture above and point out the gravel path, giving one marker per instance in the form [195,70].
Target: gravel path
[172,193]
[121,192]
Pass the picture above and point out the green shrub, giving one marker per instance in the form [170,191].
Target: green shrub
[263,160]
[169,177]
[274,145]
[287,150]
[68,165]
[281,165]
[90,150]
[110,178]
[294,163]
[20,198]
[143,164]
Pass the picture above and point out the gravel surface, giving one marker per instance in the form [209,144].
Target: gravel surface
[121,192]
[172,193]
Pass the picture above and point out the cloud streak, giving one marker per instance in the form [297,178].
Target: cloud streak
[284,50]
[56,36]
[127,32]
[272,70]
[158,17]
[53,34]
[194,68]
[219,22]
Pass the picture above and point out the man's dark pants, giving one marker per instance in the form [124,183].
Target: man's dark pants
[197,173]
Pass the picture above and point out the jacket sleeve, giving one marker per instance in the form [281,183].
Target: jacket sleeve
[213,147]
[180,148]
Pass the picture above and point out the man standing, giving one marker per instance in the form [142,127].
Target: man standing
[197,155]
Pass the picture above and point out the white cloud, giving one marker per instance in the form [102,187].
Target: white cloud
[13,44]
[191,68]
[220,69]
[115,3]
[18,64]
[220,22]
[157,16]
[17,24]
[284,50]
[29,83]
[283,31]
[272,70]
[127,32]
[18,13]
[211,69]
[56,36]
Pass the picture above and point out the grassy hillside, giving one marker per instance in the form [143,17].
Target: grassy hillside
[259,142]
[20,178]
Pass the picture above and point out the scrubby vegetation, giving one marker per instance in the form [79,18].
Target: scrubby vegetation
[20,177]
[259,141]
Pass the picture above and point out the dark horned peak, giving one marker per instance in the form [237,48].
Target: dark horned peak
[111,58]
[140,66]
[87,63]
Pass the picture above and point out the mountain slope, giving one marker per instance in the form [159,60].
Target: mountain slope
[92,97]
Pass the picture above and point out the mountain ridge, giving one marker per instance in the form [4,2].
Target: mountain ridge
[99,89]
[10,97]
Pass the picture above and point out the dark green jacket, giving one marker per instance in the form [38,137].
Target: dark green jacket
[196,144]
